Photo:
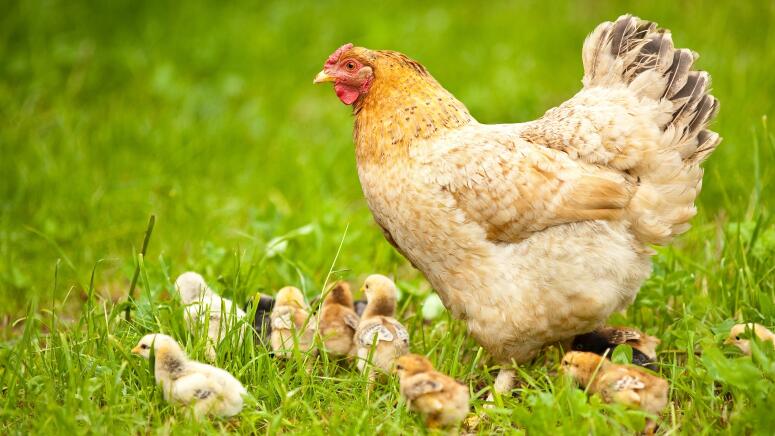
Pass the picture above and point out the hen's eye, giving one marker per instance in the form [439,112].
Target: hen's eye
[350,65]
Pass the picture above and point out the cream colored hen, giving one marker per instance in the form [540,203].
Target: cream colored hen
[534,232]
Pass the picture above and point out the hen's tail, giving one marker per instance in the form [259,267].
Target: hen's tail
[635,54]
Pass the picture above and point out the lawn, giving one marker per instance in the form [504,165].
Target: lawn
[204,115]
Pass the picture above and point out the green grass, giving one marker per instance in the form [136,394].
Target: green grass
[205,116]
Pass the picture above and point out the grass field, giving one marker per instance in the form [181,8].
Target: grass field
[205,116]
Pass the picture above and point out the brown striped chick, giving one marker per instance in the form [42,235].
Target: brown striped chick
[337,321]
[291,323]
[625,384]
[206,389]
[739,333]
[439,398]
[379,335]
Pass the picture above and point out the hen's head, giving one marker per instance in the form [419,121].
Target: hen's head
[351,70]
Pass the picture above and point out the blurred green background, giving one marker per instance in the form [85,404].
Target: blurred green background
[204,114]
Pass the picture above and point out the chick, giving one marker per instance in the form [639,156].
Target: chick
[204,307]
[379,335]
[206,389]
[262,323]
[738,332]
[291,323]
[360,306]
[644,347]
[337,321]
[624,384]
[439,398]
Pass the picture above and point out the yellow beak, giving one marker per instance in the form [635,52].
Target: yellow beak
[136,350]
[323,77]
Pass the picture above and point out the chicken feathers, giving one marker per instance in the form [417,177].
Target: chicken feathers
[380,339]
[206,389]
[533,233]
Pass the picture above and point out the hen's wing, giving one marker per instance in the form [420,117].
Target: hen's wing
[512,188]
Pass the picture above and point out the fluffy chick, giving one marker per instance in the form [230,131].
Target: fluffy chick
[291,323]
[439,398]
[360,306]
[378,330]
[204,307]
[206,389]
[337,321]
[644,346]
[262,323]
[624,384]
[737,336]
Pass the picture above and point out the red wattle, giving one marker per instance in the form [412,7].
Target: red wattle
[348,94]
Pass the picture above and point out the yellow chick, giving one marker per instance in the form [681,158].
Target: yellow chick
[379,335]
[738,333]
[204,307]
[439,398]
[291,323]
[625,384]
[206,389]
[337,321]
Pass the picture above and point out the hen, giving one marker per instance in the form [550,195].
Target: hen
[534,232]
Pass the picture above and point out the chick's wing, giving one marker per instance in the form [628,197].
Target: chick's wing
[374,332]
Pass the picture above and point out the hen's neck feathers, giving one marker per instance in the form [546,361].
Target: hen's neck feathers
[405,104]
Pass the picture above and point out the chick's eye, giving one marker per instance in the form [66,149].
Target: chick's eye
[144,347]
[737,338]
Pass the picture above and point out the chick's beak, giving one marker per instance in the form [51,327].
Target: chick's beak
[136,350]
[323,77]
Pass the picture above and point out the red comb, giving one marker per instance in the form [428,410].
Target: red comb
[334,58]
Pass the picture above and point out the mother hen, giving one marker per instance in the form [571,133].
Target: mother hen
[533,232]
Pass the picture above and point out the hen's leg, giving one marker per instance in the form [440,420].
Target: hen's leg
[504,382]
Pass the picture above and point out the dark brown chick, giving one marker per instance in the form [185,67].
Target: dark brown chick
[644,346]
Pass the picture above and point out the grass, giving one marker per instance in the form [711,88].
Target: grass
[204,115]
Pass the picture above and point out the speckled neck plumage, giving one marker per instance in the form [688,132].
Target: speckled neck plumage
[169,362]
[405,104]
